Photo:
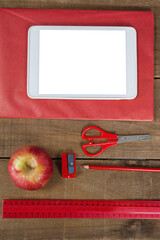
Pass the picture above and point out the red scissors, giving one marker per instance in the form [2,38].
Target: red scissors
[113,139]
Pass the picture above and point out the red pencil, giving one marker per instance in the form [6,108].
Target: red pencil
[137,169]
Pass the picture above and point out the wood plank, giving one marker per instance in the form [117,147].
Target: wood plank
[89,184]
[140,5]
[75,229]
[57,136]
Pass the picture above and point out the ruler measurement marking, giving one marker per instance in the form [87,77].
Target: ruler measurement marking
[81,209]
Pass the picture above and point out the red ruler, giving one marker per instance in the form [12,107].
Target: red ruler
[120,209]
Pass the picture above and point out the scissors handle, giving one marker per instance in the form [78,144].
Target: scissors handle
[103,146]
[103,134]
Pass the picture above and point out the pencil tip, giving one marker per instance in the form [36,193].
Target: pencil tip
[85,166]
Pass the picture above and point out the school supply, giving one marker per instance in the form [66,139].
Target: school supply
[15,103]
[115,168]
[49,208]
[113,139]
[68,165]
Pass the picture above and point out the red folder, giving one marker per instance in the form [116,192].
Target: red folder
[14,102]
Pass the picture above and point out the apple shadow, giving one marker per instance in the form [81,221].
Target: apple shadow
[58,164]
[55,179]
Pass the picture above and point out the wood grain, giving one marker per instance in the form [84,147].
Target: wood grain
[57,136]
[89,184]
[140,5]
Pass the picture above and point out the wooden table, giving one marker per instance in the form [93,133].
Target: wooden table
[57,136]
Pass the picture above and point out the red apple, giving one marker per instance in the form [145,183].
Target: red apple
[30,168]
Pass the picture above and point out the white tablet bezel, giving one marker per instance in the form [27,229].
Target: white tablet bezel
[33,64]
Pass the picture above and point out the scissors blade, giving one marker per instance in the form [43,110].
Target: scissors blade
[133,138]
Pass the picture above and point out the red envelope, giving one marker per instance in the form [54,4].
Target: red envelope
[14,102]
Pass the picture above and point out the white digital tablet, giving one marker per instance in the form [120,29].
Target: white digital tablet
[82,62]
